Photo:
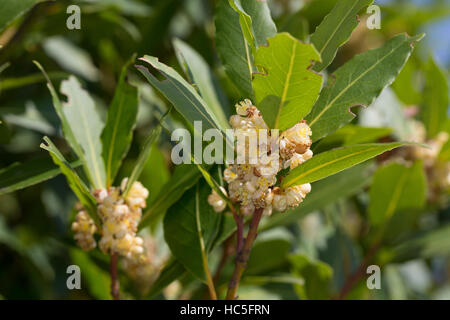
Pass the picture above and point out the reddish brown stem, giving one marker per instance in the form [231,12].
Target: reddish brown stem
[115,284]
[358,274]
[243,254]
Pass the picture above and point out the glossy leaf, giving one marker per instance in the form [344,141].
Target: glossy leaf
[349,135]
[234,43]
[323,193]
[435,99]
[182,95]
[22,175]
[255,20]
[86,126]
[189,223]
[336,29]
[330,162]
[74,181]
[287,89]
[118,131]
[201,75]
[396,188]
[66,126]
[358,82]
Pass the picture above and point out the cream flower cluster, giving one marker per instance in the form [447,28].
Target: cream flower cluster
[252,184]
[120,217]
[84,229]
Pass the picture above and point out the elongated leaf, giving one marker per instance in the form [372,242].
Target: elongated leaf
[334,161]
[201,75]
[65,124]
[358,82]
[188,224]
[12,9]
[324,193]
[435,99]
[118,131]
[143,157]
[182,95]
[396,188]
[232,49]
[350,135]
[255,20]
[183,178]
[234,42]
[435,242]
[86,126]
[288,89]
[74,181]
[336,29]
[22,175]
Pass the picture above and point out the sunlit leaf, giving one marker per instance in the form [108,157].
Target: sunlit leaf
[358,82]
[334,161]
[336,29]
[287,89]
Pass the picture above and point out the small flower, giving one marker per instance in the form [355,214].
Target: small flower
[216,200]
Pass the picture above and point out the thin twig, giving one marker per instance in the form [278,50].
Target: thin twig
[243,254]
[358,274]
[115,284]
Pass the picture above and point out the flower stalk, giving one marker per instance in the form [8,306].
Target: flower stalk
[242,255]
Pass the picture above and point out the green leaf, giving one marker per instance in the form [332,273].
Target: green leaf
[334,161]
[317,277]
[323,193]
[98,281]
[86,126]
[190,227]
[358,82]
[182,95]
[435,242]
[22,175]
[74,181]
[336,29]
[201,75]
[143,157]
[233,41]
[65,124]
[287,90]
[349,135]
[275,244]
[435,99]
[183,178]
[118,131]
[255,20]
[396,188]
[12,9]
